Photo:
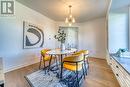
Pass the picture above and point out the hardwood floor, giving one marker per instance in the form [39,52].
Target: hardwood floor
[100,75]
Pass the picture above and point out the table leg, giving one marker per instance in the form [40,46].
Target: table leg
[49,64]
[61,66]
[2,85]
[56,61]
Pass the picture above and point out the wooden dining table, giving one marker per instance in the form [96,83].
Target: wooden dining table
[60,53]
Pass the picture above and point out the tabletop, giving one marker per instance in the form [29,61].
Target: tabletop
[59,52]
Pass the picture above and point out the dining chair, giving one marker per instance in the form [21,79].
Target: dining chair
[45,57]
[73,63]
[86,60]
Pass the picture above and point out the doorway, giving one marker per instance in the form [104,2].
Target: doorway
[71,36]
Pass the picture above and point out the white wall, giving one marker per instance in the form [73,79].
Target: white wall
[92,36]
[11,37]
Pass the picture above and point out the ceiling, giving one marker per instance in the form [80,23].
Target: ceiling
[57,10]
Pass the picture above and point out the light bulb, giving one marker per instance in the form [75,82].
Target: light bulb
[70,24]
[70,16]
[66,20]
[70,19]
[73,20]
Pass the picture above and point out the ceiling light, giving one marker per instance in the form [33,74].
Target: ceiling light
[70,19]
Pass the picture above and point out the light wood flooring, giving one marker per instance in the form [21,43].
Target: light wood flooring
[100,75]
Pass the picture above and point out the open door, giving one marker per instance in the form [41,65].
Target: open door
[72,36]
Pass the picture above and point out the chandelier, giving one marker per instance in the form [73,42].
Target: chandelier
[70,19]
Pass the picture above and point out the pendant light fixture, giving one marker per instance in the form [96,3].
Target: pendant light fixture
[70,19]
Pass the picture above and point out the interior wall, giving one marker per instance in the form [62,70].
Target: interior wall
[11,37]
[92,36]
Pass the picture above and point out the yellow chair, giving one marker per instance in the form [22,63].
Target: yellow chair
[85,53]
[73,63]
[44,57]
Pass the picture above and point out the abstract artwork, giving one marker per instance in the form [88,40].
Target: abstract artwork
[33,36]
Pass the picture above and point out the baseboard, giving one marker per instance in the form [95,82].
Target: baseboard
[97,57]
[19,66]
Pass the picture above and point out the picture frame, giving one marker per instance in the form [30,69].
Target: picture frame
[33,36]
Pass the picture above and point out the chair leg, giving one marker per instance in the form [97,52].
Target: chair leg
[40,62]
[88,65]
[85,68]
[44,65]
[85,65]
[77,78]
[83,71]
[77,75]
[88,62]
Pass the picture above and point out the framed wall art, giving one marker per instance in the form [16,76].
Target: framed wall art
[33,36]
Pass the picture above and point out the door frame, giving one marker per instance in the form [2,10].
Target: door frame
[77,33]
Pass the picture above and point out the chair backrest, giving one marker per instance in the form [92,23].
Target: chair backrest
[43,52]
[78,57]
[84,52]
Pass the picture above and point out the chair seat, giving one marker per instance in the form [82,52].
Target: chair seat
[72,67]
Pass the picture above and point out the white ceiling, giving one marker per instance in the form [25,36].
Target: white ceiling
[57,10]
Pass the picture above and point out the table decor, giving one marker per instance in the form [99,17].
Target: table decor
[61,37]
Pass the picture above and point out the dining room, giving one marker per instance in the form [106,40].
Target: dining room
[64,43]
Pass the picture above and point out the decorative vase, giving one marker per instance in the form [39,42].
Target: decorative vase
[62,46]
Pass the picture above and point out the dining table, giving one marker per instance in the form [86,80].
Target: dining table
[61,53]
